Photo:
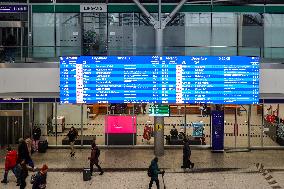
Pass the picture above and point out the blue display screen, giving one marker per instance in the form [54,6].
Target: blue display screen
[13,8]
[159,79]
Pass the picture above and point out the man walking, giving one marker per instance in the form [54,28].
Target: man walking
[23,153]
[154,172]
[94,159]
[186,155]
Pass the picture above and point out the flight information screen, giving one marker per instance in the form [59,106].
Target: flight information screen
[159,79]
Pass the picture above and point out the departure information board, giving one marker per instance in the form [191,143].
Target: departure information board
[159,79]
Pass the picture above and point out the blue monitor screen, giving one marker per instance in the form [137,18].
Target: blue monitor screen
[159,79]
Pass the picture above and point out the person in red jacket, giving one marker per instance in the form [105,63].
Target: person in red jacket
[10,163]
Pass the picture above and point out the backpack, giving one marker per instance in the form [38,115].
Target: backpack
[149,172]
[33,178]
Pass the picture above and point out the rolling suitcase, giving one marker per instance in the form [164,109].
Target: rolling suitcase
[42,146]
[87,174]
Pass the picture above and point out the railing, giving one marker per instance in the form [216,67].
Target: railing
[31,54]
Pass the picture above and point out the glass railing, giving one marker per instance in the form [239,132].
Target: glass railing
[38,54]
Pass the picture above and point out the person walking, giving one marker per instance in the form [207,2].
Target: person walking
[10,163]
[186,155]
[40,178]
[24,173]
[72,135]
[36,137]
[94,159]
[23,154]
[154,173]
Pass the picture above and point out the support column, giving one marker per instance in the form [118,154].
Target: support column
[159,41]
[159,26]
[159,136]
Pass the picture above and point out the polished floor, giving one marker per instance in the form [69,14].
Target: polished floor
[126,168]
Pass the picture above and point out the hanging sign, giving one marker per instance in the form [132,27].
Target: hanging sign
[13,8]
[96,7]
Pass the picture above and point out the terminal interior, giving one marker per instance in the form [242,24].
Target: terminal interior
[44,32]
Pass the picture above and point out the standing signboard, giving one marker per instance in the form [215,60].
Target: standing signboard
[217,131]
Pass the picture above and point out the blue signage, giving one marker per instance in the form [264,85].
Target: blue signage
[13,8]
[197,129]
[13,100]
[217,131]
[159,79]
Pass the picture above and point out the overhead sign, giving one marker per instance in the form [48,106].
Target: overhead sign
[13,8]
[8,100]
[97,7]
[159,110]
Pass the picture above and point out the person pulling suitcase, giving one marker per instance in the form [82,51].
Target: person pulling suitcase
[94,159]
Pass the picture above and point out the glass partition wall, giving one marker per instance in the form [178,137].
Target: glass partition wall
[255,126]
[189,33]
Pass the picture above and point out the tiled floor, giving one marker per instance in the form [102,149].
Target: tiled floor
[123,169]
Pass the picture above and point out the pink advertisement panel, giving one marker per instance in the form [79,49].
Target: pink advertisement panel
[120,124]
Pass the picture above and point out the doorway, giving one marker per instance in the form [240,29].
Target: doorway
[13,33]
[11,126]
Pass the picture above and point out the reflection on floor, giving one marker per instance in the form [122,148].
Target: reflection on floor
[96,128]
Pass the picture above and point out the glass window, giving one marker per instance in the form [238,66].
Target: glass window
[68,34]
[224,33]
[43,118]
[43,25]
[94,33]
[94,127]
[273,127]
[69,115]
[256,125]
[274,36]
[197,33]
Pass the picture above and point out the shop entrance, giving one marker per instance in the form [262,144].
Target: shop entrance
[11,126]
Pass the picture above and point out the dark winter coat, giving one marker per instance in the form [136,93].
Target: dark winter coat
[72,135]
[186,150]
[23,152]
[94,157]
[154,169]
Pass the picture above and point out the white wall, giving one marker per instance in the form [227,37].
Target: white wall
[47,80]
[29,80]
[72,114]
[271,81]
